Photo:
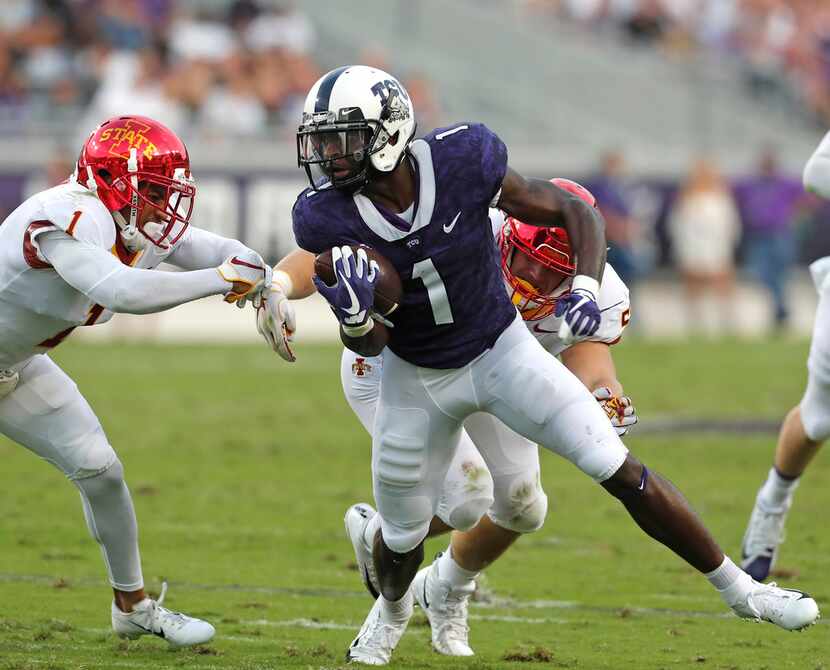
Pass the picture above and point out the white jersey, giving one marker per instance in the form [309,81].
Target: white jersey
[38,308]
[613,301]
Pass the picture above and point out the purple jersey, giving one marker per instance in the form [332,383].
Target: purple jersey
[454,305]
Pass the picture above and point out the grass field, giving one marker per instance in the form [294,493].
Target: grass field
[242,466]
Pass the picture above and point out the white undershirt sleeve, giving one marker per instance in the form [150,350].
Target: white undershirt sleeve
[119,288]
[817,170]
[202,249]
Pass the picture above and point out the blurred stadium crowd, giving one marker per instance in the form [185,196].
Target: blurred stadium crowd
[230,67]
[709,228]
[782,46]
[242,67]
[236,67]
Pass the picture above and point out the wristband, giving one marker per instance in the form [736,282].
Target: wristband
[282,279]
[585,283]
[358,331]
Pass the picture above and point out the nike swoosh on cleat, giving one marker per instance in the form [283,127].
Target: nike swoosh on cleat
[448,228]
[368,583]
[148,630]
[426,602]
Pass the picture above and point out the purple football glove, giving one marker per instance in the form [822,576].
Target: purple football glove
[353,296]
[580,310]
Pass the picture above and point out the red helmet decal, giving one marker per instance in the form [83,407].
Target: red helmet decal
[131,134]
[127,157]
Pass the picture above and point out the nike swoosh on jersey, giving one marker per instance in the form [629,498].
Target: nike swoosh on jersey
[354,308]
[448,228]
[536,329]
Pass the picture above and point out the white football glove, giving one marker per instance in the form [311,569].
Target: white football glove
[618,409]
[248,274]
[276,322]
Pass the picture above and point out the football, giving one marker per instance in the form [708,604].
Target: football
[388,289]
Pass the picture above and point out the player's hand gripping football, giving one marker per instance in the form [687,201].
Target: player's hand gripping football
[618,409]
[353,296]
[275,320]
[248,275]
[580,310]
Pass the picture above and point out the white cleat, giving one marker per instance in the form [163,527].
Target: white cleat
[376,640]
[786,608]
[446,609]
[356,519]
[763,536]
[150,618]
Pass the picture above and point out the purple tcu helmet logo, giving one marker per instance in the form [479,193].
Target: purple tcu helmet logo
[393,98]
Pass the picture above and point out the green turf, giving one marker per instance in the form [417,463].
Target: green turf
[242,466]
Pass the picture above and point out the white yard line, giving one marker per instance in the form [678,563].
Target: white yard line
[494,602]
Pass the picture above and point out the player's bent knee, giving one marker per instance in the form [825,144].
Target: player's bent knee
[528,519]
[466,516]
[91,455]
[521,504]
[403,540]
[111,477]
[405,520]
[815,410]
[629,482]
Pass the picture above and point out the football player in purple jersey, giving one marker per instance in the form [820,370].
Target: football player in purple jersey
[457,345]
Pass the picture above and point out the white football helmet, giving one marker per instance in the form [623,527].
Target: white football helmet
[354,118]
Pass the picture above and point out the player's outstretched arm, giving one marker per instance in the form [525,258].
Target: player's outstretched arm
[275,319]
[295,271]
[200,249]
[593,365]
[105,280]
[541,203]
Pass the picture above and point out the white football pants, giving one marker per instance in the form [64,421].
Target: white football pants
[815,405]
[47,414]
[494,470]
[418,425]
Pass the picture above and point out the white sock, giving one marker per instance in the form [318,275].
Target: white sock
[777,490]
[371,530]
[725,575]
[397,611]
[450,571]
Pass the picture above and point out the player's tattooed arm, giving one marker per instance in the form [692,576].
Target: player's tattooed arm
[541,203]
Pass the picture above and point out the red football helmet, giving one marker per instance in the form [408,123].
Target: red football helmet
[136,162]
[548,247]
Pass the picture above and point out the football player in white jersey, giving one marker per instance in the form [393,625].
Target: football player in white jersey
[807,425]
[72,256]
[488,498]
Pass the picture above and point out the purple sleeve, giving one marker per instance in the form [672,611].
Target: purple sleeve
[493,154]
[305,234]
